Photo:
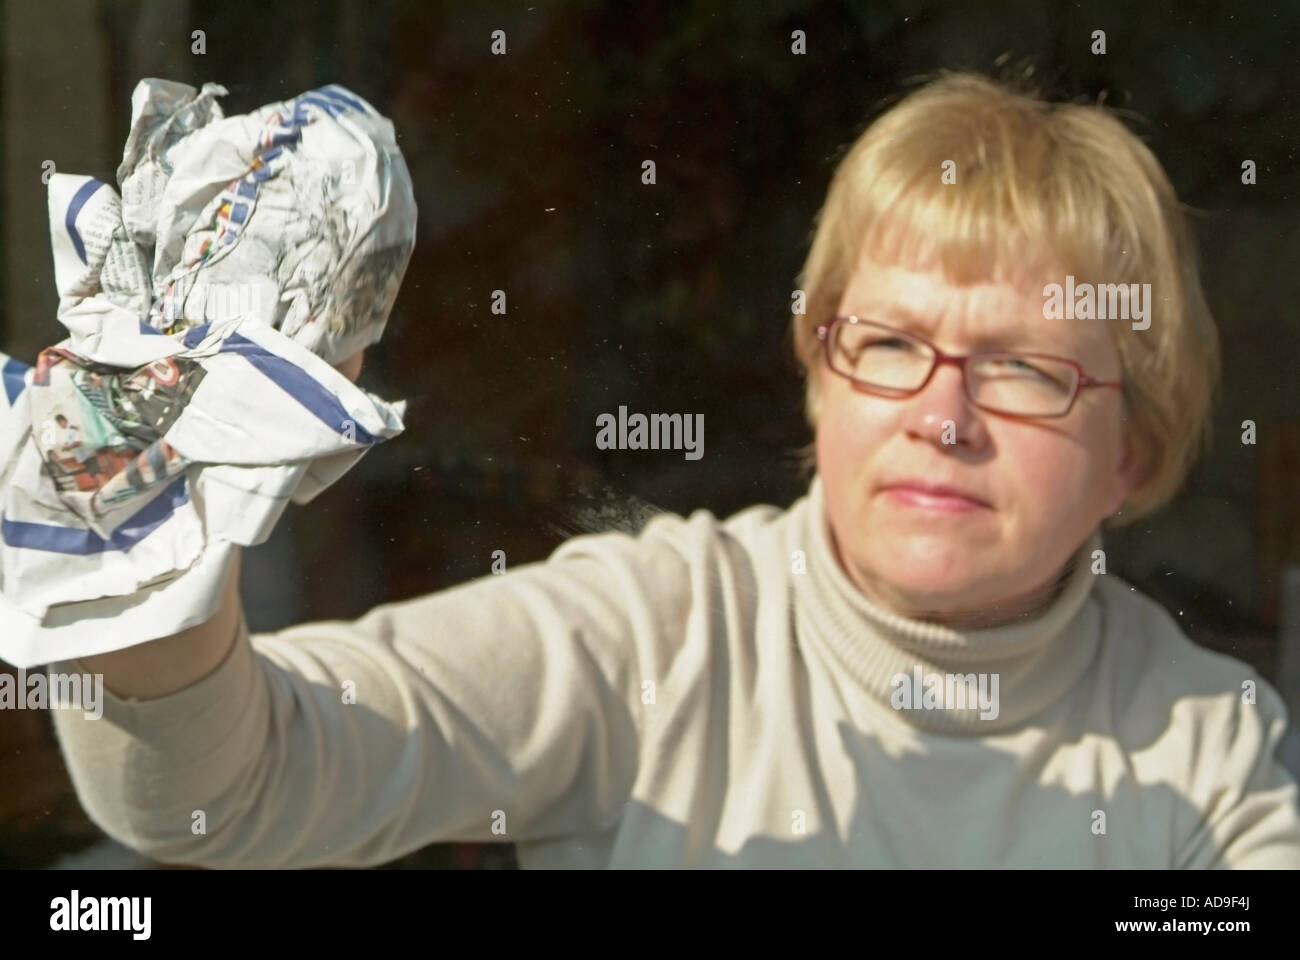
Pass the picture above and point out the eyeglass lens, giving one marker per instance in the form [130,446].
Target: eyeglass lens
[1012,383]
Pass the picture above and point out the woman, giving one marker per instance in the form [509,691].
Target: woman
[922,662]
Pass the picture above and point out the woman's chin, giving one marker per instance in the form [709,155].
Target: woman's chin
[941,558]
[930,582]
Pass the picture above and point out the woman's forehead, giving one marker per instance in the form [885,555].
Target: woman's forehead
[1002,309]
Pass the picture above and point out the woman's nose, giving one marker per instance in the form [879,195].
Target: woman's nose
[943,413]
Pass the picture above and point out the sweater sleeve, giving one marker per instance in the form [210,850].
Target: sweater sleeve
[504,709]
[1251,801]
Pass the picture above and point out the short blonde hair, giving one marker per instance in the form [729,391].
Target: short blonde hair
[1068,179]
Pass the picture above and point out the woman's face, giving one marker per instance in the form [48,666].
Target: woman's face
[1045,484]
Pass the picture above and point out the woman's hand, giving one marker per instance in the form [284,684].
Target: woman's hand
[351,367]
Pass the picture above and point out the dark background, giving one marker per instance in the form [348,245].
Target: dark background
[670,297]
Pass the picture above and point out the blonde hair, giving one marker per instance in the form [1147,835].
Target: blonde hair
[1069,180]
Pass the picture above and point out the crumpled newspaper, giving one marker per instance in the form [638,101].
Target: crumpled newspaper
[196,394]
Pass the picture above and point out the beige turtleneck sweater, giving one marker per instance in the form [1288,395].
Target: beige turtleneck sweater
[686,698]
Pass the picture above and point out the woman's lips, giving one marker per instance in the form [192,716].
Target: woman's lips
[908,496]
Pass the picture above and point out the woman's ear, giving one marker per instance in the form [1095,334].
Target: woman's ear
[1133,469]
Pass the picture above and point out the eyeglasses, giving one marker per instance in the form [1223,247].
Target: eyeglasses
[891,363]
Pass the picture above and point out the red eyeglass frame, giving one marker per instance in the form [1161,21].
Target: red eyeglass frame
[1084,380]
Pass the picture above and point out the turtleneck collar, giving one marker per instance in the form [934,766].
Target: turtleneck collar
[1036,660]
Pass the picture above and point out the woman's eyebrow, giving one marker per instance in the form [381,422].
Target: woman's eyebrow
[1015,335]
[895,315]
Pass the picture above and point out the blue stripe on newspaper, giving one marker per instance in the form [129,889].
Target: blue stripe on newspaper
[335,92]
[13,374]
[286,137]
[70,220]
[329,106]
[290,378]
[325,95]
[194,335]
[299,384]
[57,539]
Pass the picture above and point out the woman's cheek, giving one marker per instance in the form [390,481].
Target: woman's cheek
[837,451]
[848,432]
[1055,478]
